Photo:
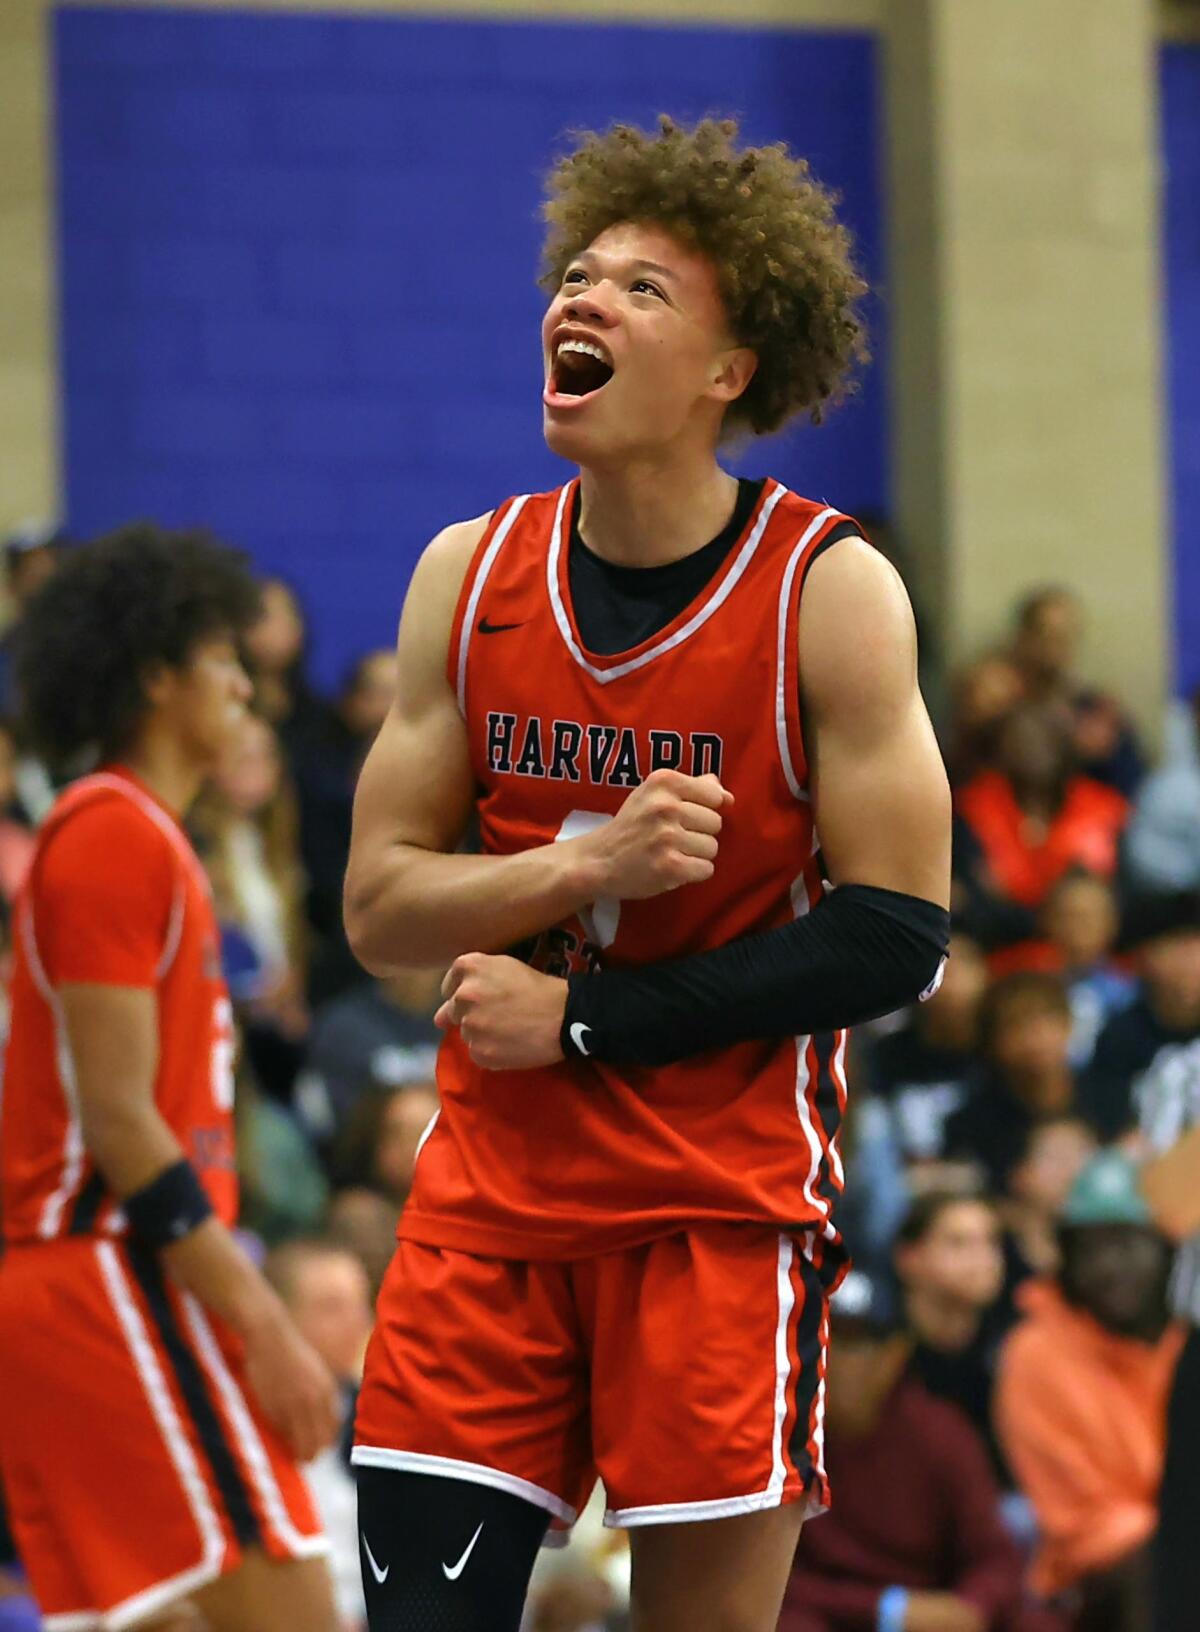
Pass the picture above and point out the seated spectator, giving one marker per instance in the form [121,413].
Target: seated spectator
[1045,648]
[379,1148]
[1081,922]
[327,770]
[277,652]
[363,1222]
[326,1292]
[378,1034]
[1020,826]
[1024,1037]
[1160,1028]
[923,1072]
[283,1189]
[950,1264]
[32,553]
[984,695]
[244,825]
[1081,1400]
[1056,1152]
[914,1541]
[1163,846]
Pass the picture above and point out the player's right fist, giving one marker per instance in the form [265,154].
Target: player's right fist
[664,835]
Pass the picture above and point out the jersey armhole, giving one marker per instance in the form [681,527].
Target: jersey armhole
[100,785]
[486,551]
[826,529]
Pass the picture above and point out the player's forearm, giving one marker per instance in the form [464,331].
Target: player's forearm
[212,1265]
[132,1146]
[421,909]
[129,1142]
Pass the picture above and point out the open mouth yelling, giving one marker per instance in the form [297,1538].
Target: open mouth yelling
[580,370]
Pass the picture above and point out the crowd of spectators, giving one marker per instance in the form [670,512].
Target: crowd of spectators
[1002,1352]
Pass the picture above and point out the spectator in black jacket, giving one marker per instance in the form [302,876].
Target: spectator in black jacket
[1162,1024]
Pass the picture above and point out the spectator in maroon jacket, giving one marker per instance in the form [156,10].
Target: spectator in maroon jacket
[914,1541]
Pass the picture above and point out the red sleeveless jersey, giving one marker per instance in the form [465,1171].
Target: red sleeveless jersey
[115,896]
[583,1157]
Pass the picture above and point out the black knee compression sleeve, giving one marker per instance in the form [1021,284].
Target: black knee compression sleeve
[443,1555]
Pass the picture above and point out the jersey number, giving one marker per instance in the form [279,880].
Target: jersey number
[602,919]
[222,1054]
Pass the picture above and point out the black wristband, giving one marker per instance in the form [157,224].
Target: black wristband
[860,953]
[169,1207]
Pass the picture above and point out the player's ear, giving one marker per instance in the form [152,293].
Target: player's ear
[732,373]
[158,681]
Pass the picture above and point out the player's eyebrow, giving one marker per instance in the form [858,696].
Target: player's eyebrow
[588,256]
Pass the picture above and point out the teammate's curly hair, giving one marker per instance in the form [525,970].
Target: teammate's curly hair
[782,258]
[116,609]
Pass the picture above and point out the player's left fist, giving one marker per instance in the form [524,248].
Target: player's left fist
[510,1016]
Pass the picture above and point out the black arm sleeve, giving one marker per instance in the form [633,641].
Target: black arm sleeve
[860,953]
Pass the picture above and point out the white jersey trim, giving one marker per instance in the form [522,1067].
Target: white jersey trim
[481,577]
[247,1437]
[783,1364]
[725,1507]
[785,601]
[474,1473]
[162,1407]
[715,601]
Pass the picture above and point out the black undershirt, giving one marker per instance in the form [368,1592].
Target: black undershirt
[617,608]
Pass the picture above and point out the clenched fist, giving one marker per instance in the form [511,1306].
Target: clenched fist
[664,835]
[510,1016]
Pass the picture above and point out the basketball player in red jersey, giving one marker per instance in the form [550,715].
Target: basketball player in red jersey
[653,687]
[154,1395]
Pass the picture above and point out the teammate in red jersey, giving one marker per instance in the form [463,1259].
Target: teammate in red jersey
[652,687]
[154,1395]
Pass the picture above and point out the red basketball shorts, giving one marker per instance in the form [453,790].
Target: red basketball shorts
[688,1373]
[136,1464]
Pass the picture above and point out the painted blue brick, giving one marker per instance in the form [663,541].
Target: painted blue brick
[306,123]
[208,271]
[197,423]
[87,41]
[282,498]
[132,344]
[263,349]
[348,428]
[338,277]
[215,120]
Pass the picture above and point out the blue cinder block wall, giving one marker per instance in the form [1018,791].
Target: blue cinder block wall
[298,258]
[1181,341]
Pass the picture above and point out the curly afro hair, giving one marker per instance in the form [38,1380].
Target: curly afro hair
[783,260]
[116,609]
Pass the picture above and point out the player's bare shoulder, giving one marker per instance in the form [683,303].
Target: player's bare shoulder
[432,599]
[857,633]
[444,561]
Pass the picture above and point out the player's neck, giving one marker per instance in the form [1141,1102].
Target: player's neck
[163,763]
[645,513]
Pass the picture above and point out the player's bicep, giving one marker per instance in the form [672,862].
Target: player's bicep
[416,786]
[880,793]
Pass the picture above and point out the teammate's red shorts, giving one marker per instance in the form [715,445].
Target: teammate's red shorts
[688,1373]
[135,1463]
